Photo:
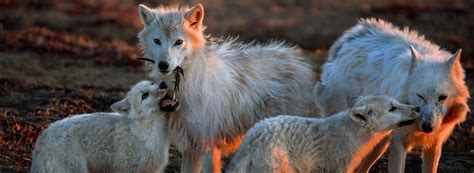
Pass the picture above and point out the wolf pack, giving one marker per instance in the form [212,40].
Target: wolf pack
[261,106]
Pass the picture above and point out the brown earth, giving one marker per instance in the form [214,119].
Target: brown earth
[63,58]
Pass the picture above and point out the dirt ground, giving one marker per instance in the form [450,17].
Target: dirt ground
[60,58]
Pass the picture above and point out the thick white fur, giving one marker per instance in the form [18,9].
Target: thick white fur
[331,144]
[108,142]
[374,57]
[227,85]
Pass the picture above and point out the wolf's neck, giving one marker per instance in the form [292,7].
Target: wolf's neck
[153,133]
[359,140]
[344,122]
[202,65]
[354,137]
[152,126]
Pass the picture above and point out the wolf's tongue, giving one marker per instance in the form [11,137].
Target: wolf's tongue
[167,102]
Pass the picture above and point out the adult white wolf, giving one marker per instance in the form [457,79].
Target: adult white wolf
[374,57]
[226,86]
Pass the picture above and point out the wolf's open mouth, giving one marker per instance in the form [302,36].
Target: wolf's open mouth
[405,123]
[169,104]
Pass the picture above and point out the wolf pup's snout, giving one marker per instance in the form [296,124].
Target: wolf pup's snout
[163,85]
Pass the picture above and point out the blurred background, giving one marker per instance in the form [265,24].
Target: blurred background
[59,58]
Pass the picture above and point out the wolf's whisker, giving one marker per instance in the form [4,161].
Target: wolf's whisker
[146,59]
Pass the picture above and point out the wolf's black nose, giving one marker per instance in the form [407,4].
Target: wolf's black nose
[163,85]
[416,109]
[163,65]
[426,128]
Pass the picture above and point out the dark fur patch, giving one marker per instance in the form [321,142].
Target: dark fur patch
[178,72]
[405,123]
[360,116]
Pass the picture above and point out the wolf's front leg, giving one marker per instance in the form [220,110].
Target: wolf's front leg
[212,162]
[431,158]
[374,155]
[397,156]
[191,162]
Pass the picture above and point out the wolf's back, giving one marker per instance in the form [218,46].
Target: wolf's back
[377,35]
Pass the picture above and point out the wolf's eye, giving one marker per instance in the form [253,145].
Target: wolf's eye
[442,98]
[393,108]
[360,116]
[178,42]
[157,41]
[421,97]
[144,96]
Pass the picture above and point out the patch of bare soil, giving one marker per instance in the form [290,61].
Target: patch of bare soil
[43,40]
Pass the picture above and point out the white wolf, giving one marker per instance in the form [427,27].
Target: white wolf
[331,144]
[226,87]
[374,57]
[133,140]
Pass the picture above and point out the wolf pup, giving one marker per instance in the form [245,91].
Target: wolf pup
[226,86]
[333,144]
[374,57]
[135,139]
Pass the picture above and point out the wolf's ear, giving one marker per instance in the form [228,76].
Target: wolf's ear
[455,58]
[121,107]
[146,14]
[351,100]
[195,16]
[415,57]
[359,114]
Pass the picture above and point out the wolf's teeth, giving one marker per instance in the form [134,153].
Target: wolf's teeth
[174,96]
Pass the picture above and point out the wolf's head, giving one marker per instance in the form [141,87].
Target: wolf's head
[170,35]
[381,113]
[142,100]
[436,85]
